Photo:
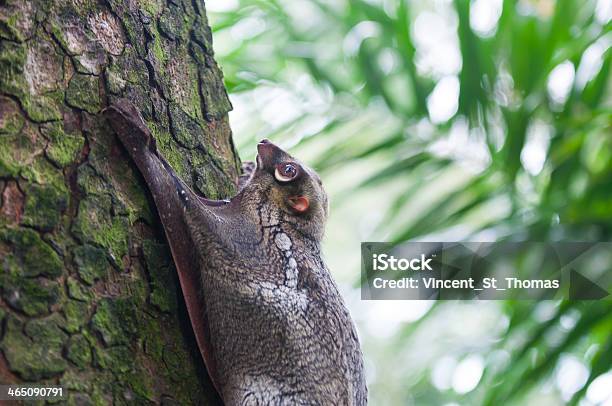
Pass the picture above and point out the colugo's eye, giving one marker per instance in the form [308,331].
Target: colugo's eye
[285,172]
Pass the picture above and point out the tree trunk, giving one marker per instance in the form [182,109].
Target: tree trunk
[89,294]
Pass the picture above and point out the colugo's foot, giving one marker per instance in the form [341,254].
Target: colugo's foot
[129,125]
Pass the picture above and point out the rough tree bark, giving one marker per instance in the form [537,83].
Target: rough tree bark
[89,296]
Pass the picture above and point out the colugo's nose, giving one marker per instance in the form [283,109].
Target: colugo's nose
[268,153]
[266,145]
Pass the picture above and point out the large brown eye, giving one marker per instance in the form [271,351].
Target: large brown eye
[285,172]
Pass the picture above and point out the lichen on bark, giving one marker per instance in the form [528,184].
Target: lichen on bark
[88,293]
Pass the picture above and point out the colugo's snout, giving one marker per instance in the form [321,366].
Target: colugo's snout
[269,155]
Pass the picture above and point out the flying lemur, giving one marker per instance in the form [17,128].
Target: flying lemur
[269,320]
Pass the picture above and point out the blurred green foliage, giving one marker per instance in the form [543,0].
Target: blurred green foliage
[496,115]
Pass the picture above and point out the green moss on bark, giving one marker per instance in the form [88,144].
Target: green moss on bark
[161,271]
[42,172]
[38,98]
[77,291]
[185,129]
[115,321]
[78,351]
[34,358]
[44,206]
[30,256]
[76,314]
[33,297]
[95,223]
[11,120]
[17,22]
[17,153]
[116,81]
[83,93]
[91,263]
[64,147]
[118,359]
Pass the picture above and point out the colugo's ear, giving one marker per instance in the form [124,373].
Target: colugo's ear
[299,203]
